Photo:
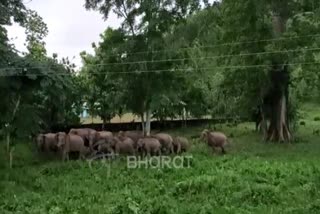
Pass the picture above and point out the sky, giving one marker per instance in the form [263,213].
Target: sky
[72,28]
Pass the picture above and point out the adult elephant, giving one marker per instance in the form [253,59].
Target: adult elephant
[149,146]
[134,135]
[166,142]
[105,135]
[71,143]
[47,142]
[87,134]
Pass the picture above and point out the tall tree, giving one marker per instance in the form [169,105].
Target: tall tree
[146,23]
[260,21]
[104,90]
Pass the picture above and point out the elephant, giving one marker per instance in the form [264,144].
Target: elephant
[134,135]
[123,146]
[180,144]
[104,146]
[47,142]
[105,135]
[165,141]
[83,132]
[90,136]
[215,139]
[95,136]
[71,143]
[40,139]
[149,146]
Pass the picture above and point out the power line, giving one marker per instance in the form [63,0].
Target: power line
[182,59]
[203,58]
[222,44]
[186,70]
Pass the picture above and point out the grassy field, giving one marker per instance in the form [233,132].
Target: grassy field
[254,177]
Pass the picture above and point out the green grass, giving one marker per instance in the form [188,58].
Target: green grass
[254,177]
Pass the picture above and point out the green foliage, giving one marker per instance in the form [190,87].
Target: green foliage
[103,90]
[253,177]
[235,183]
[32,83]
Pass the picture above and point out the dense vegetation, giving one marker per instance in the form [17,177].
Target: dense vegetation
[253,177]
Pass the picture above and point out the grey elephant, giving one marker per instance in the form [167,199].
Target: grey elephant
[180,144]
[166,142]
[47,142]
[104,146]
[123,146]
[71,143]
[134,135]
[215,139]
[90,136]
[104,135]
[149,146]
[95,136]
[40,142]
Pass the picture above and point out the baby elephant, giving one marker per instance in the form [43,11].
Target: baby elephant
[103,146]
[149,146]
[71,143]
[180,144]
[165,141]
[215,139]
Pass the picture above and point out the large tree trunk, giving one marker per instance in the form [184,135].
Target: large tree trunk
[8,140]
[9,130]
[278,130]
[143,124]
[104,121]
[148,122]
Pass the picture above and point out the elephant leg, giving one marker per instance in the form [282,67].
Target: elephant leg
[81,155]
[179,148]
[46,147]
[113,153]
[172,149]
[223,150]
[65,156]
[213,150]
[144,153]
[133,152]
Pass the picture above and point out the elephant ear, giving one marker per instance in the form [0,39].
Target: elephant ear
[56,137]
[204,133]
[43,138]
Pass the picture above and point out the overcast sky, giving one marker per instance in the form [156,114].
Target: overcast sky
[72,28]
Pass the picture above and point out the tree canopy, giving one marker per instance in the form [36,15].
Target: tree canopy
[38,92]
[168,59]
[220,59]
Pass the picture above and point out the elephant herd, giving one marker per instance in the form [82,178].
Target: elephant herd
[86,142]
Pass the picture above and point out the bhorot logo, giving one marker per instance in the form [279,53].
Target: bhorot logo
[137,162]
[176,162]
